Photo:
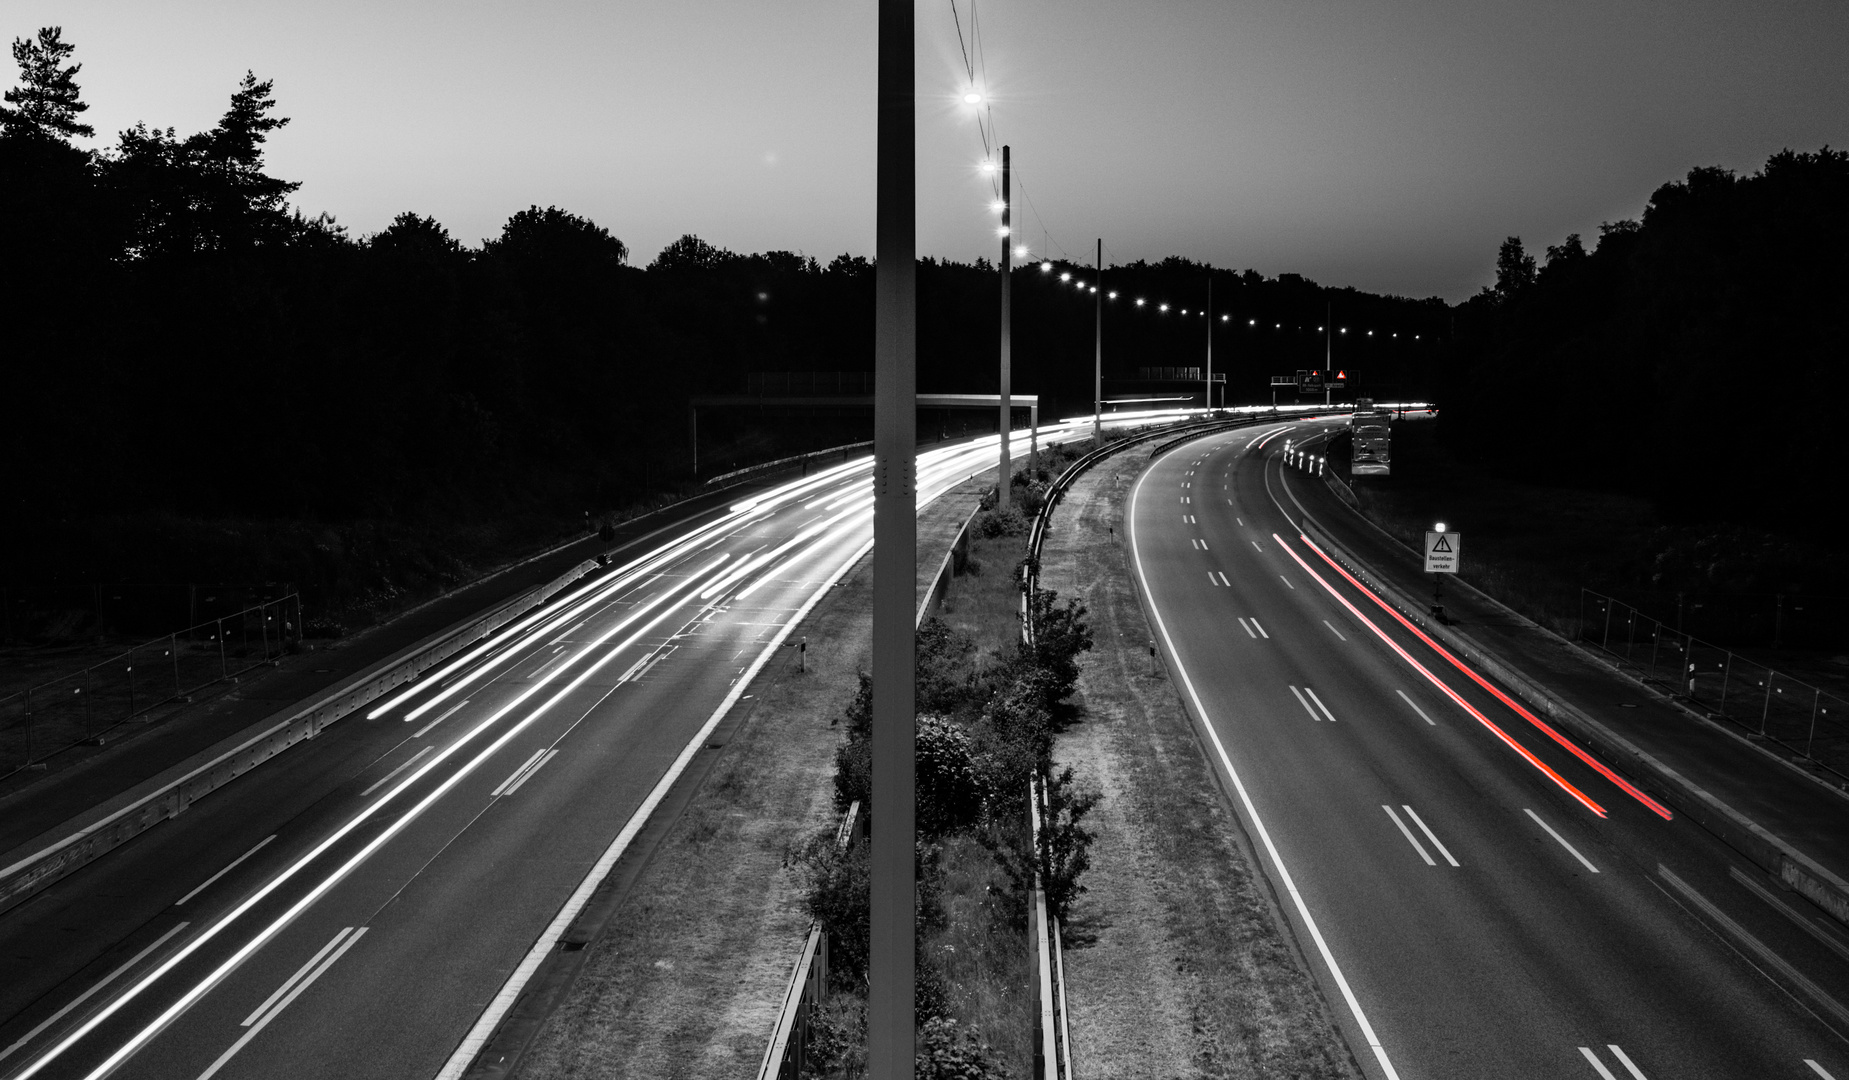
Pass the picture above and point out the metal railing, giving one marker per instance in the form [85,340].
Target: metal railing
[85,705]
[1804,719]
[788,1053]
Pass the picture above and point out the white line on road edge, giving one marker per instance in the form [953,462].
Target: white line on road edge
[1260,629]
[1415,708]
[497,1009]
[1429,834]
[1764,953]
[1800,921]
[1410,838]
[293,994]
[1305,704]
[230,867]
[1818,1069]
[1258,824]
[1248,629]
[387,778]
[1625,1061]
[1604,1073]
[85,996]
[1319,704]
[1562,839]
[447,713]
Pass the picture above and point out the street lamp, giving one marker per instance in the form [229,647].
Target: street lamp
[972,98]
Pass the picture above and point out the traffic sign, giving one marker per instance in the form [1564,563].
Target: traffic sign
[1442,550]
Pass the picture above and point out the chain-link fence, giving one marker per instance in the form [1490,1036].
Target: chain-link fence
[84,705]
[1803,718]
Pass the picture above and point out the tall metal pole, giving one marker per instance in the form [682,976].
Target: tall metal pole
[890,962]
[1210,346]
[1097,370]
[1328,349]
[1007,407]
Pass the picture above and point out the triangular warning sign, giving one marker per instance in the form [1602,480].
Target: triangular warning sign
[1341,374]
[1443,543]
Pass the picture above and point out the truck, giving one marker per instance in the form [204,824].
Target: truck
[1370,430]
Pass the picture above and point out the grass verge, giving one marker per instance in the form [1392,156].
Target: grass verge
[1179,961]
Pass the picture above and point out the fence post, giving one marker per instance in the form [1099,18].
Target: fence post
[1812,741]
[130,670]
[263,611]
[1656,642]
[224,667]
[28,760]
[1765,713]
[1726,674]
[1606,642]
[173,650]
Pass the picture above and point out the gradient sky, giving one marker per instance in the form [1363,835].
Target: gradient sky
[1388,146]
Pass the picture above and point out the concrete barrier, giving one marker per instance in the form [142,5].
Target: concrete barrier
[100,830]
[1790,866]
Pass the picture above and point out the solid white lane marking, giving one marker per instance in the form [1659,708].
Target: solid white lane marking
[1287,583]
[1258,823]
[1306,705]
[447,713]
[1429,834]
[1333,630]
[1410,838]
[284,1003]
[85,996]
[1225,582]
[518,773]
[1259,628]
[1415,708]
[528,774]
[1319,704]
[1604,1073]
[233,865]
[1248,629]
[1624,1060]
[387,778]
[1759,948]
[333,943]
[1562,839]
[1804,924]
[1818,1069]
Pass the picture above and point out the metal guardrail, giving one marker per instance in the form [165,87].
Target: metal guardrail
[791,460]
[788,1052]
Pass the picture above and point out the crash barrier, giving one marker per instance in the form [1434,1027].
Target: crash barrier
[952,565]
[1052,1032]
[793,459]
[1793,868]
[787,1056]
[93,834]
[1802,718]
[86,706]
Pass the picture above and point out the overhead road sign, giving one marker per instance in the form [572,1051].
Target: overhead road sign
[1442,550]
[1280,381]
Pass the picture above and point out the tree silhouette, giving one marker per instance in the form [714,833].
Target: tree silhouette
[47,95]
[1514,268]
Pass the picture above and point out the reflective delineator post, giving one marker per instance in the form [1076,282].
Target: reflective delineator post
[1007,407]
[890,962]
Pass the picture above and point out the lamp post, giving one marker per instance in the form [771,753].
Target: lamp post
[1210,346]
[1007,409]
[1097,369]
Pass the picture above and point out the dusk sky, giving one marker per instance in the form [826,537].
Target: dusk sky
[1386,146]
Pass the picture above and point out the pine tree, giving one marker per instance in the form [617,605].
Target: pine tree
[47,94]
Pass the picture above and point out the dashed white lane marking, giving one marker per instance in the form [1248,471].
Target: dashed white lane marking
[1329,624]
[518,773]
[1561,839]
[1818,1069]
[1415,708]
[1306,705]
[1604,1073]
[300,981]
[527,774]
[1240,520]
[1225,582]
[1199,544]
[1319,704]
[1429,834]
[1410,838]
[447,713]
[1255,546]
[1624,1059]
[1287,583]
[383,780]
[1248,629]
[233,865]
[1260,629]
[1765,894]
[100,983]
[1210,579]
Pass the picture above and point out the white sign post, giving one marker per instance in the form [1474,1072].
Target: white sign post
[1442,551]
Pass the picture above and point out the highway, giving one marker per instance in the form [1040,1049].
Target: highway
[1476,897]
[369,903]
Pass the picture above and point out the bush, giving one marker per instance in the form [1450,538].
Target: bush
[837,1038]
[835,884]
[1063,853]
[949,787]
[945,683]
[993,523]
[946,1052]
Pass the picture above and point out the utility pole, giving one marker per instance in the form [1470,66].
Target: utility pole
[1007,407]
[891,965]
[1328,349]
[1097,370]
[1209,346]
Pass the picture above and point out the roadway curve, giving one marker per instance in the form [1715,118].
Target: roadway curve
[363,905]
[1476,899]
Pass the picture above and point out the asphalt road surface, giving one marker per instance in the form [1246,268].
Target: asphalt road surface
[368,904]
[1477,899]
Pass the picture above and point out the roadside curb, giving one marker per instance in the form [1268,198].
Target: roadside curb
[1792,868]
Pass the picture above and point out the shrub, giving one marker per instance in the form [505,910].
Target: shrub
[835,885]
[837,1038]
[949,787]
[945,683]
[947,1052]
[1006,522]
[1063,853]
